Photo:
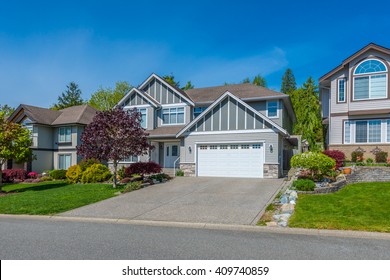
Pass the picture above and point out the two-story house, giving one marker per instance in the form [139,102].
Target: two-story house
[356,102]
[238,130]
[55,135]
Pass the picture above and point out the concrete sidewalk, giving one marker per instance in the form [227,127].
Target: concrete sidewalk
[189,199]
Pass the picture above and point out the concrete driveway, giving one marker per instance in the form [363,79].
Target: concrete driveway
[189,199]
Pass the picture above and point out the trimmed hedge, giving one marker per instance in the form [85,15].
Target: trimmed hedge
[96,173]
[9,175]
[317,163]
[58,174]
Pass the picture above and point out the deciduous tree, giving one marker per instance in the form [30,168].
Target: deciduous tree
[114,135]
[106,99]
[15,142]
[6,110]
[259,81]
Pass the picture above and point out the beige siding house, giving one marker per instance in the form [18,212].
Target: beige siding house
[225,131]
[356,102]
[55,135]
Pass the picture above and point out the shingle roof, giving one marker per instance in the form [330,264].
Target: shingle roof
[82,114]
[242,91]
[165,131]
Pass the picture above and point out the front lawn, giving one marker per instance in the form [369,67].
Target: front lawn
[361,206]
[48,198]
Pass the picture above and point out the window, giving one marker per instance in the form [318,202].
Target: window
[65,135]
[368,84]
[198,111]
[64,161]
[365,131]
[272,109]
[173,115]
[234,147]
[347,132]
[341,90]
[131,159]
[223,147]
[174,151]
[143,117]
[256,146]
[244,147]
[213,147]
[388,131]
[203,147]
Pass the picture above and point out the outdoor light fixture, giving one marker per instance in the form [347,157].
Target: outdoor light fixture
[271,148]
[189,149]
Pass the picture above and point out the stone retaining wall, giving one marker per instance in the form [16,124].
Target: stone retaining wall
[188,169]
[334,187]
[271,171]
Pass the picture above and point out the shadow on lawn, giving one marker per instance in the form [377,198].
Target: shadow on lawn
[40,187]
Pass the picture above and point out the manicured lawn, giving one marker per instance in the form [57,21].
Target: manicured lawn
[362,206]
[51,197]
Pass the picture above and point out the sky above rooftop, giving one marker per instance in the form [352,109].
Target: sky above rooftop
[44,45]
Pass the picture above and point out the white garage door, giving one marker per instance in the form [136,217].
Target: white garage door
[230,160]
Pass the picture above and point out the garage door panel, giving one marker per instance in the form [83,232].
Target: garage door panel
[234,160]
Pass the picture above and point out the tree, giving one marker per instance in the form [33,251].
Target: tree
[114,135]
[106,99]
[259,81]
[171,80]
[288,82]
[6,110]
[15,142]
[189,85]
[71,97]
[246,81]
[306,105]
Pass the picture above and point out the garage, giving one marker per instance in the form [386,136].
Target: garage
[230,160]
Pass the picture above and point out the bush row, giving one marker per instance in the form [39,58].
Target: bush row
[88,171]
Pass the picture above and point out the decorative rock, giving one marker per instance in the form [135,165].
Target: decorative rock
[287,208]
[341,177]
[293,194]
[283,223]
[272,224]
[282,217]
[292,202]
[284,199]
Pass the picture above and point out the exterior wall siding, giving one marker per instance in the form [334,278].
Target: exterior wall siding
[261,106]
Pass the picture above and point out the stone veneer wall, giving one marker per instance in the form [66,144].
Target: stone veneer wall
[188,169]
[271,171]
[348,149]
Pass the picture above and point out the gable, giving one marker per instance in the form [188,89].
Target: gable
[163,92]
[135,98]
[229,113]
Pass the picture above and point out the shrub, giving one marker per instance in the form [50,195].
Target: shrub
[381,157]
[96,173]
[357,156]
[337,155]
[33,175]
[179,173]
[29,180]
[304,185]
[369,160]
[45,179]
[36,181]
[133,186]
[318,163]
[59,174]
[85,163]
[9,175]
[142,168]
[121,173]
[74,174]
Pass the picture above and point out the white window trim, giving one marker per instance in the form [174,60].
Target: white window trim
[369,86]
[146,117]
[64,155]
[59,134]
[360,74]
[170,107]
[277,109]
[126,161]
[353,132]
[345,90]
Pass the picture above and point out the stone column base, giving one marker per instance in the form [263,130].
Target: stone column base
[188,169]
[271,171]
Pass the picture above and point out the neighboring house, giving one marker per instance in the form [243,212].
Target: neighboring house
[55,135]
[238,130]
[356,102]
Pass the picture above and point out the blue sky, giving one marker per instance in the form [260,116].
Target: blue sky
[46,44]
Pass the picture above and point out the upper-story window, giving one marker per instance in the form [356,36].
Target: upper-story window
[341,90]
[173,115]
[272,109]
[143,117]
[370,80]
[198,111]
[65,135]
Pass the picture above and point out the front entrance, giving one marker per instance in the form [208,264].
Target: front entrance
[171,154]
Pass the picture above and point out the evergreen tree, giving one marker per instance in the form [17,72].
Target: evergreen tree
[246,81]
[171,80]
[189,85]
[71,97]
[288,82]
[306,105]
[259,81]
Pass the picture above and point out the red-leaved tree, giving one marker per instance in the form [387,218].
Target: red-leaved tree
[113,136]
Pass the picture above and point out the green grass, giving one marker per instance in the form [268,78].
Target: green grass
[48,198]
[362,206]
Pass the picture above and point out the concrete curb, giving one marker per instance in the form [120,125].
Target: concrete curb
[247,228]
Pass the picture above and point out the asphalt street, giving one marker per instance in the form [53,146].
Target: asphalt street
[58,239]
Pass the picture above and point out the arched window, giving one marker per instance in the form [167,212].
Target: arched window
[370,80]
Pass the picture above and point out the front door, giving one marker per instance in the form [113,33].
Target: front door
[171,154]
